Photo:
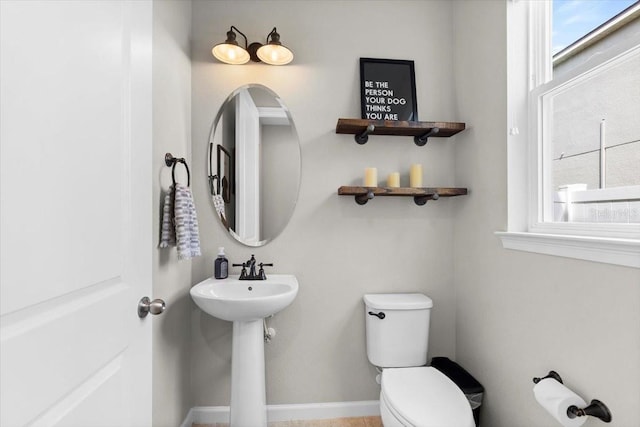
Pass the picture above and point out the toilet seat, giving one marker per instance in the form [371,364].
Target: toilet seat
[424,397]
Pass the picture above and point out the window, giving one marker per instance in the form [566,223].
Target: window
[582,192]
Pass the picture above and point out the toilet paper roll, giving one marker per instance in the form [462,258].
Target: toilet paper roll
[555,398]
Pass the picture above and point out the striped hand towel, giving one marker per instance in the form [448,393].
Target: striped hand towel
[180,223]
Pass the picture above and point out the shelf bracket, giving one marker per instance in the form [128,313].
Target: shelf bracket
[422,139]
[363,137]
[362,199]
[422,200]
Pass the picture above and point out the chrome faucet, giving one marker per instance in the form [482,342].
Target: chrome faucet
[251,264]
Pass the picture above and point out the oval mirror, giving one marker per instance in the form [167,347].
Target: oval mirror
[254,165]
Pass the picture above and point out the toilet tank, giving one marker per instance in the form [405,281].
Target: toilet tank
[397,328]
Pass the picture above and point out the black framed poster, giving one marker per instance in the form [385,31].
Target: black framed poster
[388,89]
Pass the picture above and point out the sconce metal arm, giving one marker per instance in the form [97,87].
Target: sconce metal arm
[241,33]
[275,37]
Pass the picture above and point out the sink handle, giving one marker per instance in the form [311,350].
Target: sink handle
[243,273]
[261,274]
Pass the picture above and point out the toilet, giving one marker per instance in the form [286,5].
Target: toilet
[412,394]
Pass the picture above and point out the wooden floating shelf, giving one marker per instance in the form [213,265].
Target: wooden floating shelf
[420,131]
[420,195]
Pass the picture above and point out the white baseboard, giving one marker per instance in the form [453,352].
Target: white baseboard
[301,411]
[188,419]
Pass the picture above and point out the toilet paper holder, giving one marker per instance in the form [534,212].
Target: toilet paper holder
[551,374]
[595,409]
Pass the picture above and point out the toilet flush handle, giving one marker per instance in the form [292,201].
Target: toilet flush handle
[380,315]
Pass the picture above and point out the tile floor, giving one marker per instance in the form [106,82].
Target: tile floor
[334,422]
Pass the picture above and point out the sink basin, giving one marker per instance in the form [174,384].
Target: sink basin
[242,300]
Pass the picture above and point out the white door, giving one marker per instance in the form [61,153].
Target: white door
[75,201]
[247,171]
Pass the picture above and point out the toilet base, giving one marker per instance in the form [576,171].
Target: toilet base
[388,418]
[420,396]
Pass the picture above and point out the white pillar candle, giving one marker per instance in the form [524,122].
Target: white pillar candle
[393,180]
[371,177]
[415,176]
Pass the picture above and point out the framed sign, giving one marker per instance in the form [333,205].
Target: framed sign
[388,89]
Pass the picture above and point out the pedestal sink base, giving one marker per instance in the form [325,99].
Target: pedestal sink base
[246,304]
[248,396]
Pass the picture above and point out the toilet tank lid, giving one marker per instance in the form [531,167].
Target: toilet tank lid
[412,301]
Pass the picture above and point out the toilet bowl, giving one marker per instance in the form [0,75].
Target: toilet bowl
[422,397]
[412,394]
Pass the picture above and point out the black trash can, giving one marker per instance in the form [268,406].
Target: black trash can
[471,388]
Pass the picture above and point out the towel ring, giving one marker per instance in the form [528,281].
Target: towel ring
[173,172]
[169,160]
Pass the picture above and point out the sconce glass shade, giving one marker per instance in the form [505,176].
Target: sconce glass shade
[274,53]
[230,52]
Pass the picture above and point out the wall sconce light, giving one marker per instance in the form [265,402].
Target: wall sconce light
[272,53]
[230,52]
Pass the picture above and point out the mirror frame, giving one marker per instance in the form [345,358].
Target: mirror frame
[226,186]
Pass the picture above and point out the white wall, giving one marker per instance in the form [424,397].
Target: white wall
[171,279]
[337,249]
[520,314]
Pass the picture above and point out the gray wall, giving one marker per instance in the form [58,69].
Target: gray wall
[505,315]
[279,183]
[577,114]
[337,249]
[622,129]
[520,314]
[171,279]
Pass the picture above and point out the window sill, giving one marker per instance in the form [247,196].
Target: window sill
[624,252]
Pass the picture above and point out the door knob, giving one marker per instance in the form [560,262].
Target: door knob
[146,306]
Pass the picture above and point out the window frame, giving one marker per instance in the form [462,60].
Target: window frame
[602,242]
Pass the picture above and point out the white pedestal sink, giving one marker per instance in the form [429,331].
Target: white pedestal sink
[246,303]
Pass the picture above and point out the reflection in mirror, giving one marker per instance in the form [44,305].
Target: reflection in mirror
[254,165]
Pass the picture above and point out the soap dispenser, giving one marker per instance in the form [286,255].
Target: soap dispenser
[221,265]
